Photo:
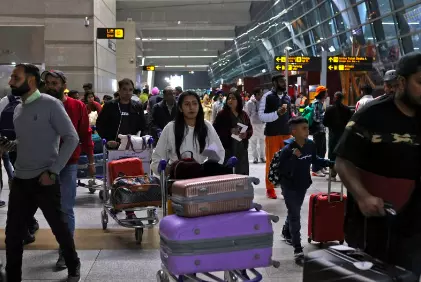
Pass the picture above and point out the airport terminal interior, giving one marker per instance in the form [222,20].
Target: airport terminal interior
[151,68]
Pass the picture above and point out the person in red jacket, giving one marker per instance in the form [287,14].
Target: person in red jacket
[55,83]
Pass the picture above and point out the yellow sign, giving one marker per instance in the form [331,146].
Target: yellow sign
[110,33]
[148,68]
[343,63]
[301,63]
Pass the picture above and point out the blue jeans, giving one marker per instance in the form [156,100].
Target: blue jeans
[294,199]
[8,165]
[68,185]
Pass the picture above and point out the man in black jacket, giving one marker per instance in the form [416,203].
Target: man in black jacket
[163,113]
[121,116]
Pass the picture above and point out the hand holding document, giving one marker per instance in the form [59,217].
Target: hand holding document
[211,154]
[242,128]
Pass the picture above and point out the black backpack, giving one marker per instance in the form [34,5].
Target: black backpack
[7,128]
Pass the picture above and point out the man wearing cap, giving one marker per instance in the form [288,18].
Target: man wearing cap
[378,160]
[55,84]
[41,126]
[275,110]
[317,129]
[390,82]
[366,96]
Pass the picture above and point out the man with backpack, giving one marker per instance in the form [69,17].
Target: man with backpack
[275,110]
[314,114]
[7,129]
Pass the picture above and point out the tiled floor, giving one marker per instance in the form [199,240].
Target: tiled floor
[141,265]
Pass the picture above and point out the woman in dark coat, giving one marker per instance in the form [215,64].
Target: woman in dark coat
[226,125]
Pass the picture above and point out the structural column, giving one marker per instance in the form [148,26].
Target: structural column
[126,53]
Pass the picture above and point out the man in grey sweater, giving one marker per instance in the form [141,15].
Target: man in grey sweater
[40,123]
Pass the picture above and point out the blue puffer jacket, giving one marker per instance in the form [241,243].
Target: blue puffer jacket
[293,172]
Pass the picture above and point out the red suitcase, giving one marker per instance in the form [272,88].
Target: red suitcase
[125,167]
[326,216]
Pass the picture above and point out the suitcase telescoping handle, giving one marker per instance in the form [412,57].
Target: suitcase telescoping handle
[329,187]
[162,177]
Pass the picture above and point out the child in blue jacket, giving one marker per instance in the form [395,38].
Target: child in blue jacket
[290,167]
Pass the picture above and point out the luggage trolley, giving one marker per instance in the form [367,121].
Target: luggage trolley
[82,169]
[163,275]
[138,223]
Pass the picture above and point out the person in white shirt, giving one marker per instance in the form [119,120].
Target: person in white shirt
[366,92]
[218,104]
[257,141]
[188,132]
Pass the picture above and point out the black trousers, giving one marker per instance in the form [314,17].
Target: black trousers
[319,139]
[25,196]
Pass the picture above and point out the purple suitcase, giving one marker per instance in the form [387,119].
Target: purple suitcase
[232,241]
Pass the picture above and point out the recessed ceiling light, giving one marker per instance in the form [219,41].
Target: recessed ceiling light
[179,22]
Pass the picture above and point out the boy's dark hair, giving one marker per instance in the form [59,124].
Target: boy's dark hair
[72,92]
[296,121]
[116,95]
[276,77]
[367,89]
[31,70]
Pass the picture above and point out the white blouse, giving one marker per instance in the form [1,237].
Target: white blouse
[165,149]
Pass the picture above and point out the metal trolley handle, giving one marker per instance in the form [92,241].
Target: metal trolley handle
[329,188]
[161,169]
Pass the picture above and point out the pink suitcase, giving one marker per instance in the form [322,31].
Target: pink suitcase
[240,240]
[213,195]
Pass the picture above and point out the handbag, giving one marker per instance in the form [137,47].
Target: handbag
[185,168]
[133,142]
[135,191]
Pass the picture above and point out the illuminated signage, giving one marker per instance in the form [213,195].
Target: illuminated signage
[148,68]
[299,63]
[340,63]
[109,33]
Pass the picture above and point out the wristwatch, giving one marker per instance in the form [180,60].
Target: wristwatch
[52,175]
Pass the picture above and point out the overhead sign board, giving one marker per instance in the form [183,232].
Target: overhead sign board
[343,63]
[109,33]
[148,68]
[299,63]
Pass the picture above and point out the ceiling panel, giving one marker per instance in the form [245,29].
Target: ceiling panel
[188,19]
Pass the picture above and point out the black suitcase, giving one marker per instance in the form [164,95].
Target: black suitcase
[351,265]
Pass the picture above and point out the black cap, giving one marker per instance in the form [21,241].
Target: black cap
[409,64]
[54,73]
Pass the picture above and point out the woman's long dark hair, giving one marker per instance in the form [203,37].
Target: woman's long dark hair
[200,129]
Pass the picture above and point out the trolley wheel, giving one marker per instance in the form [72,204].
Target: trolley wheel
[341,242]
[104,219]
[138,233]
[320,245]
[151,213]
[161,276]
[92,191]
[309,240]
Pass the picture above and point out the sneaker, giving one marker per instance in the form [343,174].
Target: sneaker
[74,276]
[263,160]
[2,204]
[271,194]
[325,171]
[298,255]
[34,227]
[255,161]
[286,235]
[318,174]
[61,263]
[30,238]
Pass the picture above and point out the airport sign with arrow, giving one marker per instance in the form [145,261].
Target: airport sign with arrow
[301,63]
[109,33]
[343,63]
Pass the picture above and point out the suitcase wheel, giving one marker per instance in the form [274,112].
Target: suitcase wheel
[92,191]
[274,218]
[275,263]
[258,207]
[309,240]
[104,219]
[341,242]
[161,276]
[138,233]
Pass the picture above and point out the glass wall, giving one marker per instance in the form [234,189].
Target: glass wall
[382,29]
